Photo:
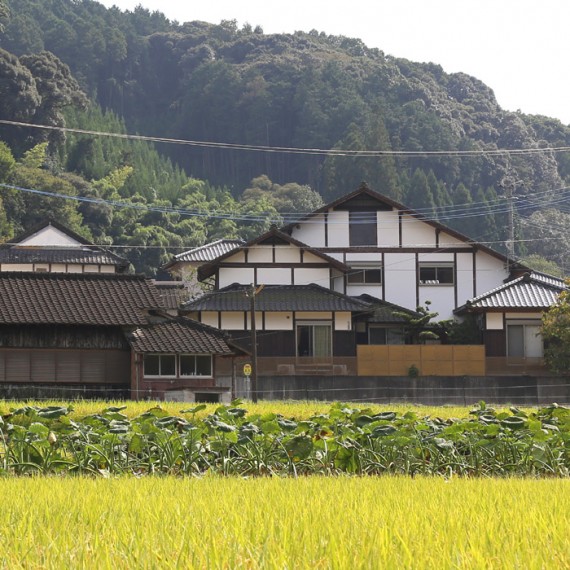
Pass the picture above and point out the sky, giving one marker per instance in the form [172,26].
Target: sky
[519,48]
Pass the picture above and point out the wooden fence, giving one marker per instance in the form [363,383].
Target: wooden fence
[427,360]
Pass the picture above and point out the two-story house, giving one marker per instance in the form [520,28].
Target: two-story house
[328,276]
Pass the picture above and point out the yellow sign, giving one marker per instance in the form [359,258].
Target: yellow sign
[247,369]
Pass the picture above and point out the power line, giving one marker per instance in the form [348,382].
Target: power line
[296,150]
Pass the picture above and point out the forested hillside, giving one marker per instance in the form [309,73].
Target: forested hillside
[80,64]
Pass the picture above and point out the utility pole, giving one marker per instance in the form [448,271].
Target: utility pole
[252,294]
[509,184]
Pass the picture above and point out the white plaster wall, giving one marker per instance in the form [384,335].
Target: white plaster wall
[311,231]
[17,267]
[309,257]
[388,229]
[494,321]
[74,268]
[304,276]
[229,275]
[107,269]
[287,254]
[91,269]
[237,257]
[316,315]
[338,229]
[335,255]
[274,276]
[364,289]
[338,283]
[260,254]
[210,318]
[442,299]
[232,321]
[529,315]
[490,272]
[279,321]
[445,240]
[436,257]
[342,321]
[370,258]
[50,236]
[417,233]
[58,268]
[258,320]
[464,272]
[400,279]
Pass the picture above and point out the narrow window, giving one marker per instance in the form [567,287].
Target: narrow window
[363,228]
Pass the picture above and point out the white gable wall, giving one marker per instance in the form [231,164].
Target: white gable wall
[416,233]
[388,229]
[338,229]
[311,231]
[50,236]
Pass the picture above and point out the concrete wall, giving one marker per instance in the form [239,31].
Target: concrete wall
[429,391]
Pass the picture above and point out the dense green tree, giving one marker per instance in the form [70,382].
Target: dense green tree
[57,89]
[555,333]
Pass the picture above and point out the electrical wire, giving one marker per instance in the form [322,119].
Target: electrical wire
[296,150]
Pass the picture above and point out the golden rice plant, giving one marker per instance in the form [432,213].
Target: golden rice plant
[289,408]
[312,522]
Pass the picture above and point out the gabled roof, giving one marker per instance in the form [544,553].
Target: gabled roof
[76,298]
[385,312]
[84,252]
[534,290]
[181,335]
[277,298]
[272,235]
[205,253]
[364,190]
[172,293]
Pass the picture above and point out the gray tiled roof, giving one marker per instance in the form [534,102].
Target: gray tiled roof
[76,255]
[180,335]
[210,251]
[172,293]
[76,298]
[531,291]
[385,312]
[278,298]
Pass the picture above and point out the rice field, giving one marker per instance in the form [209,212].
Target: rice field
[266,523]
[289,409]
